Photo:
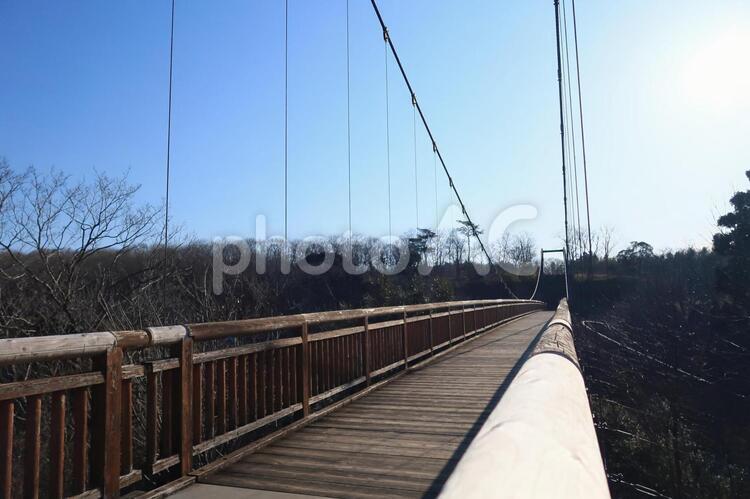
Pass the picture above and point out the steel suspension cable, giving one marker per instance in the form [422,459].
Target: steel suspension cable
[572,132]
[416,170]
[473,226]
[169,150]
[583,135]
[562,127]
[348,124]
[286,120]
[434,174]
[388,131]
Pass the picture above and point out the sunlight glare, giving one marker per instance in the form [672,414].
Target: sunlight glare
[717,76]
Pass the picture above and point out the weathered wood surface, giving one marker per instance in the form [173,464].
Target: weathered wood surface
[401,440]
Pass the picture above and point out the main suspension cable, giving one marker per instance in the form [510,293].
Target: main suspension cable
[583,135]
[473,226]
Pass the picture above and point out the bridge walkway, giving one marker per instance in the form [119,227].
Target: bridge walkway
[402,440]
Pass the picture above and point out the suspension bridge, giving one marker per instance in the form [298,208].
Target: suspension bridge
[478,398]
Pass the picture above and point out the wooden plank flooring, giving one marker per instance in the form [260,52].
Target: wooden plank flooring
[402,440]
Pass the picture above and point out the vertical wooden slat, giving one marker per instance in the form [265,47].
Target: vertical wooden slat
[293,375]
[32,446]
[432,338]
[242,389]
[261,384]
[183,405]
[57,446]
[406,342]
[197,403]
[278,394]
[126,440]
[463,320]
[305,371]
[289,388]
[166,432]
[152,418]
[221,396]
[270,381]
[7,408]
[450,328]
[232,392]
[210,399]
[253,368]
[105,445]
[80,403]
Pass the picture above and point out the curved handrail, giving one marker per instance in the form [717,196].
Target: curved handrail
[539,441]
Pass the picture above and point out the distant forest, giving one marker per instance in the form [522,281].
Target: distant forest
[663,338]
[664,344]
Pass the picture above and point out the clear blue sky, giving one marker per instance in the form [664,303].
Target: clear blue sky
[84,87]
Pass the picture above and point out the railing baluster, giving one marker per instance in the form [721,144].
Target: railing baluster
[80,403]
[261,384]
[305,371]
[197,403]
[278,394]
[32,446]
[232,392]
[221,396]
[288,369]
[166,432]
[57,446]
[7,408]
[126,442]
[366,349]
[210,400]
[294,387]
[254,386]
[242,389]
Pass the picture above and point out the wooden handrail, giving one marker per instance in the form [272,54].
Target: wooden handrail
[196,400]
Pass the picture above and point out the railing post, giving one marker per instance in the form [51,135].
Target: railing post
[366,349]
[6,447]
[183,404]
[106,424]
[432,338]
[305,371]
[406,345]
[463,320]
[474,313]
[450,328]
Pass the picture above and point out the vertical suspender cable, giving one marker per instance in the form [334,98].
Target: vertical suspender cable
[387,131]
[572,134]
[562,128]
[169,149]
[348,124]
[416,170]
[583,135]
[286,120]
[434,173]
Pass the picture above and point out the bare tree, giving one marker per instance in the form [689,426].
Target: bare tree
[64,241]
[522,249]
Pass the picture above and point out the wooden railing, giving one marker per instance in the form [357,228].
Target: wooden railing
[145,407]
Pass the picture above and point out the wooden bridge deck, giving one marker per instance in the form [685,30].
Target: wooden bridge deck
[402,440]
